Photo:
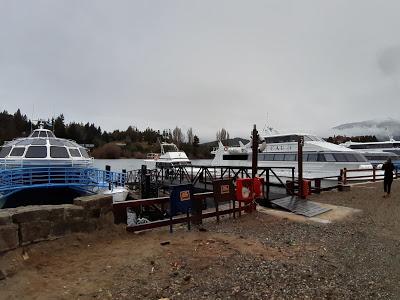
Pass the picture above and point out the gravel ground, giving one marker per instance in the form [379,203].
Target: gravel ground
[253,257]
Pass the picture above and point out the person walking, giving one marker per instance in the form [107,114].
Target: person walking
[388,167]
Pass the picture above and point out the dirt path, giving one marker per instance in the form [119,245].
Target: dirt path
[256,256]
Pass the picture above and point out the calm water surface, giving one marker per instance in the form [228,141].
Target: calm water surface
[134,164]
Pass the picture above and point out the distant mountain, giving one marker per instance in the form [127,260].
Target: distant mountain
[382,129]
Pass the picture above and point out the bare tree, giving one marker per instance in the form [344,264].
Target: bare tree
[190,136]
[177,136]
[222,135]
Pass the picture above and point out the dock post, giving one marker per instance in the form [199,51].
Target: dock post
[254,161]
[108,176]
[373,173]
[300,144]
[318,185]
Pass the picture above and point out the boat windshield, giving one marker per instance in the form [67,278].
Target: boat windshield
[170,148]
[291,139]
[313,138]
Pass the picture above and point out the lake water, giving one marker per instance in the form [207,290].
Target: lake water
[135,164]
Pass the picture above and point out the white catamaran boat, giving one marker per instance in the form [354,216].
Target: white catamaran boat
[320,158]
[169,157]
[43,161]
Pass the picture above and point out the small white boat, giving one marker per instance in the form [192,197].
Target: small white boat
[169,157]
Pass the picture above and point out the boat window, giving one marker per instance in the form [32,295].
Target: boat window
[4,151]
[376,157]
[290,157]
[321,157]
[279,157]
[25,142]
[235,157]
[312,157]
[35,134]
[39,142]
[58,152]
[281,139]
[36,152]
[50,134]
[351,157]
[84,153]
[340,157]
[43,134]
[70,144]
[329,157]
[17,151]
[56,142]
[395,152]
[74,152]
[312,138]
[170,148]
[307,138]
[359,157]
[266,157]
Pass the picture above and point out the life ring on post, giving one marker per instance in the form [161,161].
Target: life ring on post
[244,189]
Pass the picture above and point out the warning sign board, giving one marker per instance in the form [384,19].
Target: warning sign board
[184,195]
[225,189]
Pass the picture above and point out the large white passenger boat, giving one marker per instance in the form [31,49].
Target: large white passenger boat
[385,146]
[378,152]
[42,161]
[41,148]
[320,158]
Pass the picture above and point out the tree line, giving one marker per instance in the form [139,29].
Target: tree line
[128,143]
[339,139]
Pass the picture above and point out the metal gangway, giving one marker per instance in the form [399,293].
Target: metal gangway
[86,180]
[202,177]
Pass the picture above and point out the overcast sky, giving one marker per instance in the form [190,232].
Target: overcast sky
[296,65]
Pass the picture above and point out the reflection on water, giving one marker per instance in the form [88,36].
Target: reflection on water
[134,164]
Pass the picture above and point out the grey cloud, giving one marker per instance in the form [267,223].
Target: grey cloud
[308,65]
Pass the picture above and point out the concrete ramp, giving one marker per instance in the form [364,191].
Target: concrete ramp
[300,206]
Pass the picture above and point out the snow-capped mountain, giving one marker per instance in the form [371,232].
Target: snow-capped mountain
[382,129]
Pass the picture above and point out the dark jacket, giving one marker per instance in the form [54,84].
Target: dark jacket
[389,168]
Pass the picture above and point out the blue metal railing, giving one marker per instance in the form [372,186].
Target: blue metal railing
[87,179]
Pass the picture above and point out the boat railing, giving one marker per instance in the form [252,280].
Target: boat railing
[204,175]
[18,163]
[15,179]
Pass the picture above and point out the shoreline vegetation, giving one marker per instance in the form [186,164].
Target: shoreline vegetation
[129,143]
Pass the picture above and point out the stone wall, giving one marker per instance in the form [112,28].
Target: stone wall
[28,224]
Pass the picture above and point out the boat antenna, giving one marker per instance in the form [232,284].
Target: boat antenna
[33,115]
